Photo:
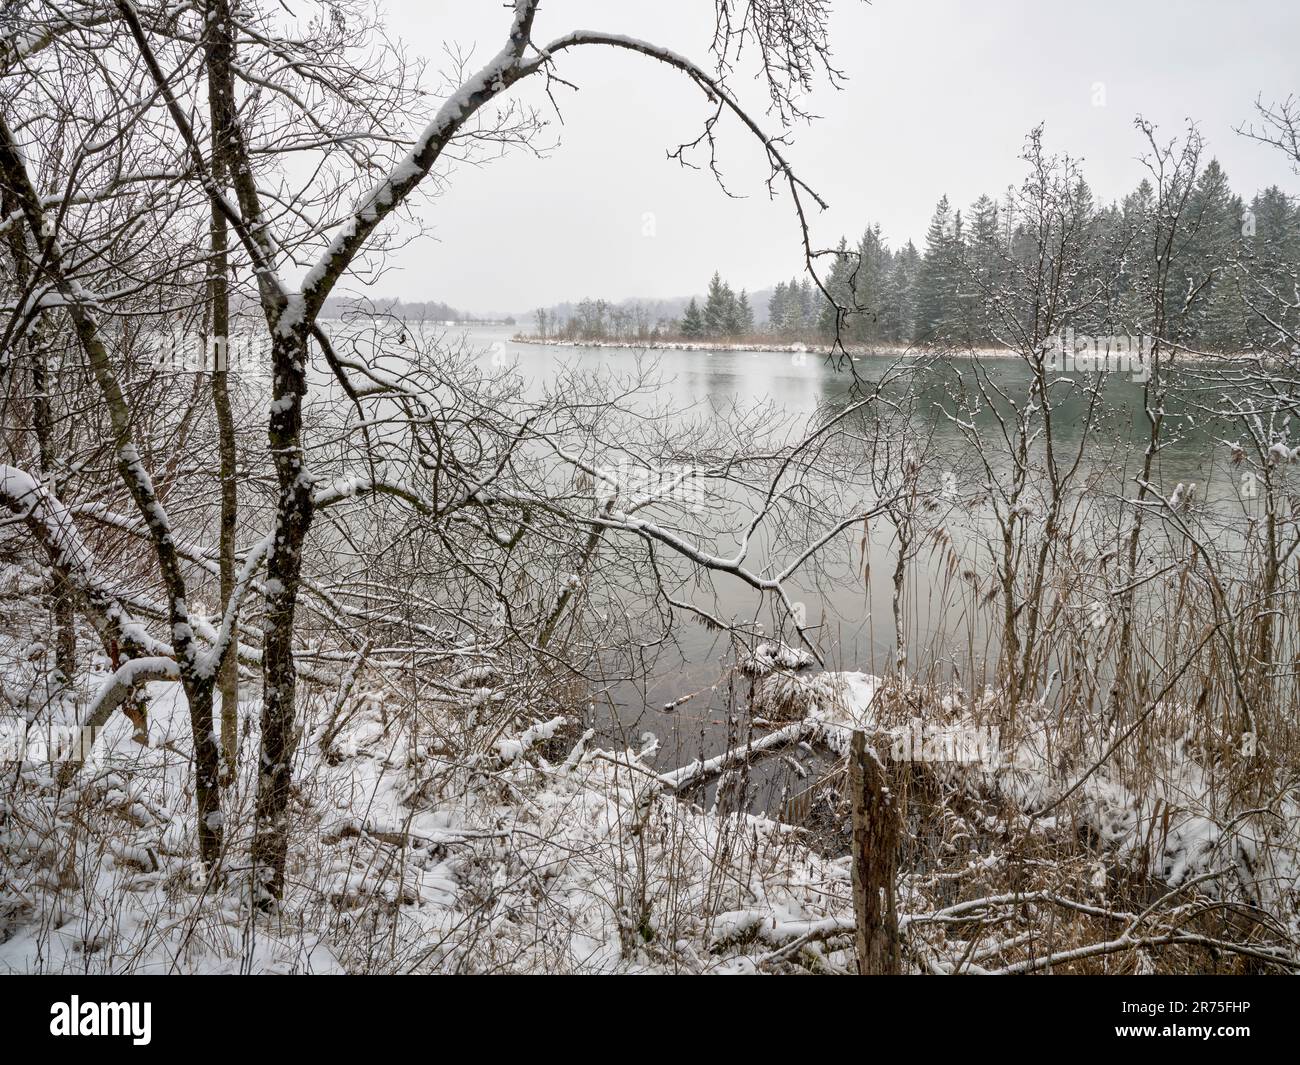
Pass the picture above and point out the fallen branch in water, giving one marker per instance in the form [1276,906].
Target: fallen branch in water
[698,772]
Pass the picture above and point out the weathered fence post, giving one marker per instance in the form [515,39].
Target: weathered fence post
[875,846]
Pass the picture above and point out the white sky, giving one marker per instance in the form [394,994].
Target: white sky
[939,98]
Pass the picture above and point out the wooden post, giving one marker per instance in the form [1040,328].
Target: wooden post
[875,849]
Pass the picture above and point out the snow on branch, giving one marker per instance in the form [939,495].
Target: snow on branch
[502,71]
[52,527]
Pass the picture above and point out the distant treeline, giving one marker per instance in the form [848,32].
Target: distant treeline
[408,310]
[954,291]
[950,291]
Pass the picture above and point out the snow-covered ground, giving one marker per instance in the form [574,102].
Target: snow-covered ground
[536,851]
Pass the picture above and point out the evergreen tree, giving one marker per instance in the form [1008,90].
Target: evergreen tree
[1112,247]
[776,308]
[898,299]
[693,321]
[719,308]
[839,282]
[1133,308]
[744,315]
[1272,259]
[935,283]
[867,287]
[1085,281]
[796,309]
[968,281]
[984,269]
[1205,264]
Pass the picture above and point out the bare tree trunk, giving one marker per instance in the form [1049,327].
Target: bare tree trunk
[218,43]
[60,595]
[875,849]
[228,675]
[900,578]
[283,568]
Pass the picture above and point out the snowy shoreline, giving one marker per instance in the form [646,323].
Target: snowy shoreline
[791,348]
[854,350]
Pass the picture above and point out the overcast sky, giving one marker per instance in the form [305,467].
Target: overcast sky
[939,97]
